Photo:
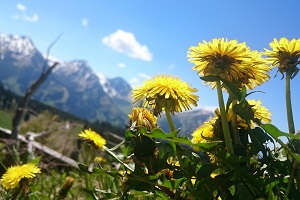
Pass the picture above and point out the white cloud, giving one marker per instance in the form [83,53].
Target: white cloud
[145,76]
[125,42]
[121,65]
[21,7]
[22,14]
[84,22]
[32,18]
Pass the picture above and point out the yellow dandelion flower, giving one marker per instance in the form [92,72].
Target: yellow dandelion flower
[284,54]
[230,60]
[143,117]
[93,137]
[212,157]
[14,174]
[257,72]
[173,162]
[260,112]
[163,92]
[204,133]
[213,175]
[100,159]
[220,57]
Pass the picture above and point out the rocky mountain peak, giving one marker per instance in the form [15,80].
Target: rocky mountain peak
[18,44]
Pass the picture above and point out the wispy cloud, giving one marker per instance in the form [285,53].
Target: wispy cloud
[21,7]
[23,15]
[121,65]
[84,22]
[125,42]
[32,18]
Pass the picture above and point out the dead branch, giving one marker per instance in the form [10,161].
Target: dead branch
[19,114]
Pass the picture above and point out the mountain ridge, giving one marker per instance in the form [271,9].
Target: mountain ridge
[72,87]
[75,88]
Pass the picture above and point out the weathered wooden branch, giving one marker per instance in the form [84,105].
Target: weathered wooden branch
[22,106]
[46,152]
[19,115]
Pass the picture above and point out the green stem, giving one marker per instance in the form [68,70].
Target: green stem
[291,126]
[172,129]
[234,126]
[225,126]
[170,121]
[289,110]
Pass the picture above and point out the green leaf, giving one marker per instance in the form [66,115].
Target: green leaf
[232,89]
[172,137]
[275,132]
[117,146]
[99,171]
[206,170]
[243,93]
[244,110]
[159,133]
[83,167]
[144,146]
[114,156]
[172,184]
[258,137]
[210,78]
[36,160]
[129,134]
[156,176]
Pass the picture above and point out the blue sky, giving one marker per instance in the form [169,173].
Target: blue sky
[139,39]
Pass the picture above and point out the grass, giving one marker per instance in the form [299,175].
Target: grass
[6,119]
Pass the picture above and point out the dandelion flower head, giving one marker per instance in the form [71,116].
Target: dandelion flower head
[260,112]
[143,117]
[204,133]
[284,54]
[166,92]
[230,60]
[14,174]
[93,137]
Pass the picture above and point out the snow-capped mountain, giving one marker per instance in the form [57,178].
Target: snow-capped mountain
[117,88]
[17,44]
[72,87]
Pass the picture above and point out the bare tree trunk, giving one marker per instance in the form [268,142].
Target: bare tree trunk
[22,106]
